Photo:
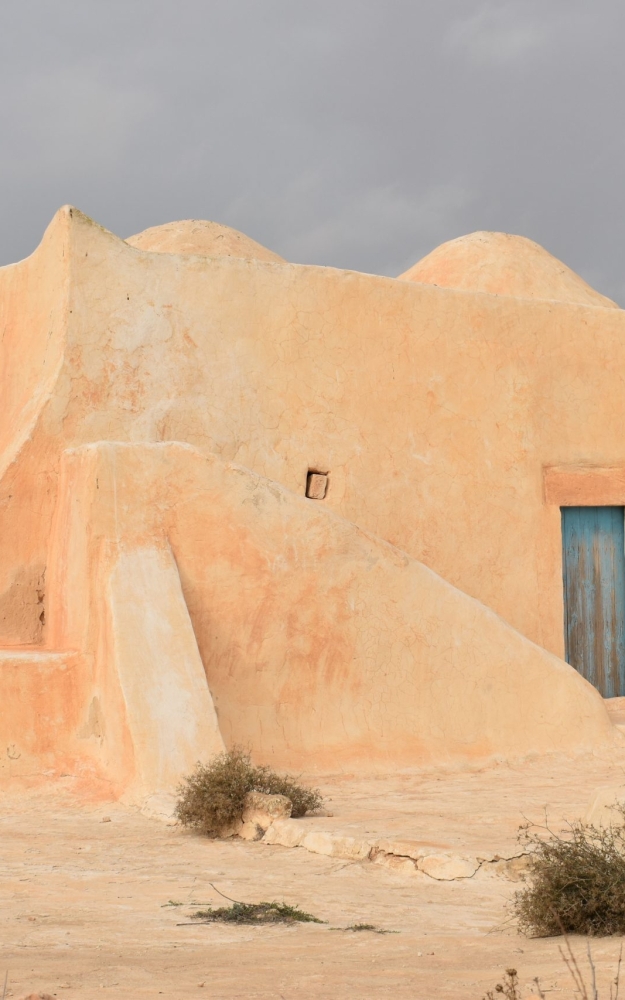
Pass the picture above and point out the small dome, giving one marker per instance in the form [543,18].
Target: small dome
[206,239]
[501,264]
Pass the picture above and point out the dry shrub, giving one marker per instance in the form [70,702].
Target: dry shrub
[509,988]
[369,927]
[575,881]
[256,913]
[212,799]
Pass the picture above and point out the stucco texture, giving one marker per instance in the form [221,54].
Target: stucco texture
[206,239]
[324,631]
[503,264]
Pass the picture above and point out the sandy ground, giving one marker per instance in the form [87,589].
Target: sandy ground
[85,905]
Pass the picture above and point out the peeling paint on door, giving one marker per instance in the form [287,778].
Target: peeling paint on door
[594,595]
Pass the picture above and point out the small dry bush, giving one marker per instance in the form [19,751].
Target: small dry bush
[369,927]
[575,882]
[256,913]
[212,799]
[509,988]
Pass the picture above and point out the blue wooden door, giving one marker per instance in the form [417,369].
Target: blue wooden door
[594,595]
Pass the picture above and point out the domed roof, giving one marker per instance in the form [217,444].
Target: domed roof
[207,239]
[502,264]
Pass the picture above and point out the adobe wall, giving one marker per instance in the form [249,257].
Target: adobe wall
[33,323]
[434,411]
[323,646]
[43,717]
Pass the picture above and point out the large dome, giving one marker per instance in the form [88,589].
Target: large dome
[502,264]
[207,239]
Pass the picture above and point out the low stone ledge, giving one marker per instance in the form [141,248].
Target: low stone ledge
[407,857]
[289,833]
[448,867]
[335,846]
[396,863]
[404,848]
[285,833]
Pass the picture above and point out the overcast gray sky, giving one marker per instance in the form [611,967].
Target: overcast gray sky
[355,133]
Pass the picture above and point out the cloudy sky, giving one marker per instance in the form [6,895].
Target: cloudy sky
[354,133]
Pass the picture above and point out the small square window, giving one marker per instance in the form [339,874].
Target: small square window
[316,485]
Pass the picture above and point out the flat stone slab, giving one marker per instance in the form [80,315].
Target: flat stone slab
[402,856]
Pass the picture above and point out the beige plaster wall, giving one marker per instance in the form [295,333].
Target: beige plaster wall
[170,711]
[115,595]
[503,264]
[433,410]
[33,322]
[323,646]
[33,325]
[45,724]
